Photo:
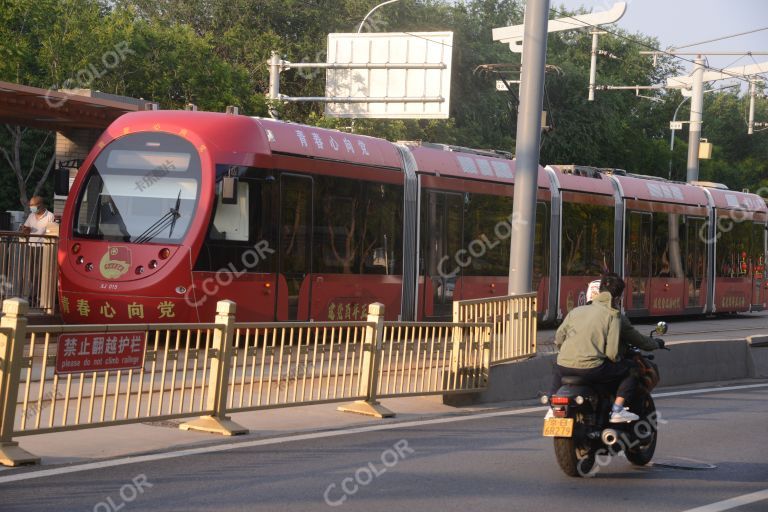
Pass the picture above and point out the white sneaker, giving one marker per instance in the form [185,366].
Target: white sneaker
[623,416]
[550,414]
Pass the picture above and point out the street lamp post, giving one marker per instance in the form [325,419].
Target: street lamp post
[672,137]
[360,28]
[674,118]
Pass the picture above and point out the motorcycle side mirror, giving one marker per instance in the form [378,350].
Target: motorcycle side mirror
[661,328]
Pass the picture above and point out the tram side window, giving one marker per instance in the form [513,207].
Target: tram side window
[357,227]
[758,249]
[231,220]
[587,240]
[667,252]
[486,234]
[240,237]
[695,257]
[382,240]
[541,244]
[733,249]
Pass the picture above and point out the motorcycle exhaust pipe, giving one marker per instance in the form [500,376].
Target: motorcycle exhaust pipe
[609,436]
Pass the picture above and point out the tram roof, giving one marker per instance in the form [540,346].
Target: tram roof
[734,200]
[310,141]
[443,161]
[243,140]
[660,190]
[595,183]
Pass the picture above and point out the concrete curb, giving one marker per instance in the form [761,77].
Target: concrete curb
[686,363]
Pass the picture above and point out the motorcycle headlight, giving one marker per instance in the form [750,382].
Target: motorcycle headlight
[579,399]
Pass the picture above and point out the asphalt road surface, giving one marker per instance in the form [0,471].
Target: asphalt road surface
[713,447]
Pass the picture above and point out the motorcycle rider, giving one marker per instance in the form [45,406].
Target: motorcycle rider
[592,339]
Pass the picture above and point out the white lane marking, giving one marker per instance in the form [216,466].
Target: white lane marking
[732,503]
[304,437]
[257,442]
[707,390]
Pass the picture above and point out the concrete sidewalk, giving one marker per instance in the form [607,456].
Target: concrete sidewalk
[108,442]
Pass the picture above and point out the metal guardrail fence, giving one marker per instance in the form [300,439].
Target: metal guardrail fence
[170,384]
[222,367]
[278,364]
[29,269]
[514,323]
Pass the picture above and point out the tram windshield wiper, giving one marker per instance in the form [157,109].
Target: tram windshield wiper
[160,225]
[177,214]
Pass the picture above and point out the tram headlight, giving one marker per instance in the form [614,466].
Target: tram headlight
[88,267]
[79,260]
[153,264]
[76,249]
[140,269]
[164,253]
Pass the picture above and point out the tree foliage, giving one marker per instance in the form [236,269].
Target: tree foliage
[214,53]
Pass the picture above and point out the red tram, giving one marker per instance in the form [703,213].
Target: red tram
[174,210]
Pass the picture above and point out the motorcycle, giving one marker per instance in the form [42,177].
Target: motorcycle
[581,429]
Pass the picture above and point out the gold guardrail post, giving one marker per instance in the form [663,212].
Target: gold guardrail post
[11,354]
[454,378]
[369,370]
[48,274]
[533,324]
[218,384]
[487,349]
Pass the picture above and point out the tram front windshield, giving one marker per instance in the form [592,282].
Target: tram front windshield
[142,188]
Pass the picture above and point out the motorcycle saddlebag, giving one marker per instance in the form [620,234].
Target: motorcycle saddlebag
[648,373]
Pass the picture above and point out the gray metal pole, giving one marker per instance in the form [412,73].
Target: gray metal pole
[274,76]
[694,130]
[751,125]
[593,67]
[527,150]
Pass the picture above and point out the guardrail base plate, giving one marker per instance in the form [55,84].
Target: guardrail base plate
[223,426]
[12,455]
[374,409]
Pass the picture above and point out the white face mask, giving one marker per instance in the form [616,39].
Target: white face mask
[33,209]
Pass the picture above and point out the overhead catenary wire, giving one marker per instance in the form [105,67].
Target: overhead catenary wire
[722,38]
[581,24]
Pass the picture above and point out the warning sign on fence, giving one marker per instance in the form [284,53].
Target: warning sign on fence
[100,351]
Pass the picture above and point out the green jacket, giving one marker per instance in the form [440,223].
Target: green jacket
[593,333]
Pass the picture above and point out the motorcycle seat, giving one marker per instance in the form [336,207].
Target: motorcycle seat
[572,380]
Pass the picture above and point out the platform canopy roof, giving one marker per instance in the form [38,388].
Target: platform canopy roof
[58,111]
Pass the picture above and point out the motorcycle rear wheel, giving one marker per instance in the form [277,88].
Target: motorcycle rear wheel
[573,458]
[642,454]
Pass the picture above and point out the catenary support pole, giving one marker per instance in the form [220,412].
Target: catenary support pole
[527,148]
[751,125]
[694,132]
[593,66]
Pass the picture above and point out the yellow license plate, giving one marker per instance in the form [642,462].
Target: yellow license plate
[558,427]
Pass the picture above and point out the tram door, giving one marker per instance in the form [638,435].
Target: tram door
[295,257]
[638,261]
[442,230]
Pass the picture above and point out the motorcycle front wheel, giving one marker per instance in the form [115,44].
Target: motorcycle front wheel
[642,454]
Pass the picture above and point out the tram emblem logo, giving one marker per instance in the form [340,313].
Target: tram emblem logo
[115,262]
